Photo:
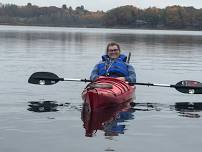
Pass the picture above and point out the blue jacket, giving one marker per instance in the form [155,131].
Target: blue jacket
[114,68]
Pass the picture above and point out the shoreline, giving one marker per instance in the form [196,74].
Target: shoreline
[113,28]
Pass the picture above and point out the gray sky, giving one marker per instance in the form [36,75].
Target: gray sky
[105,5]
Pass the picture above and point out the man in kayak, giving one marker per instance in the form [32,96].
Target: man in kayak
[114,64]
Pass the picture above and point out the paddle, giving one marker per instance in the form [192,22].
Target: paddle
[48,78]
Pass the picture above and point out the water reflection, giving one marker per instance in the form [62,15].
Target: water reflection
[156,40]
[184,109]
[109,120]
[112,121]
[188,106]
[44,106]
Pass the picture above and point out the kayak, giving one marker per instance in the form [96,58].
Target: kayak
[107,92]
[110,120]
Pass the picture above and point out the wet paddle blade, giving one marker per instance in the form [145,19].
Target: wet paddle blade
[44,78]
[189,86]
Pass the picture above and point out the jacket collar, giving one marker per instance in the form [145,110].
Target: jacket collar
[121,57]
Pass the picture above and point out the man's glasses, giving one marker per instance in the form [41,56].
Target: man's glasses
[113,50]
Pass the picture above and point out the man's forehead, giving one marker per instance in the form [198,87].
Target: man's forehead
[113,46]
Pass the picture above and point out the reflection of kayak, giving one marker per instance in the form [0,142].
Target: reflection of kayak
[108,119]
[99,94]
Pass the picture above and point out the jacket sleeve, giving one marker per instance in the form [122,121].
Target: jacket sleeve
[132,74]
[94,73]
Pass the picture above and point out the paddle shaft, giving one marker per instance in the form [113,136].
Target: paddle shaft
[144,84]
[166,85]
[77,80]
[66,79]
[152,84]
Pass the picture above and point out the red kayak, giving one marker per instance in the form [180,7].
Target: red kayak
[107,92]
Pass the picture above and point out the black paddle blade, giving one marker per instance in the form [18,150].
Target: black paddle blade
[44,78]
[189,86]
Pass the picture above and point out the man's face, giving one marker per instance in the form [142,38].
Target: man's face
[113,52]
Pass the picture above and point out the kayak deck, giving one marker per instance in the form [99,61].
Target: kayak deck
[101,97]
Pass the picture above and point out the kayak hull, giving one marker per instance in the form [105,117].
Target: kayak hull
[101,97]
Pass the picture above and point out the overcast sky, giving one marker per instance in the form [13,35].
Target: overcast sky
[105,5]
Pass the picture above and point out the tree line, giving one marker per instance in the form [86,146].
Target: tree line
[171,17]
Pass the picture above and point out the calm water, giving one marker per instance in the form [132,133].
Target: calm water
[49,118]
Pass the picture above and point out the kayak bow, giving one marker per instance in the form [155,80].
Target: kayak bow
[102,97]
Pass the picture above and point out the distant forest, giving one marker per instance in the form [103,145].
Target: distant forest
[171,17]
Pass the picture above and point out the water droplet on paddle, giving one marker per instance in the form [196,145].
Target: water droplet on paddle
[53,82]
[41,82]
[191,91]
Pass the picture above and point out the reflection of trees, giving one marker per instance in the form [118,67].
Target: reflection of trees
[172,17]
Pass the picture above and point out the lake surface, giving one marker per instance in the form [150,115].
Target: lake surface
[49,118]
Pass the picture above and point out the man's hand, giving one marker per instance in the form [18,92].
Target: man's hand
[121,78]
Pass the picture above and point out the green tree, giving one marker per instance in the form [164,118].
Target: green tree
[122,16]
[174,18]
[153,16]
